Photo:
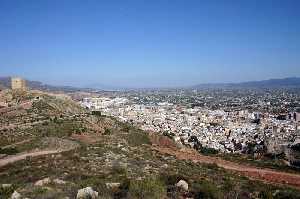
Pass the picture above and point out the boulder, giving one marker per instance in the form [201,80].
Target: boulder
[42,182]
[58,181]
[165,166]
[112,185]
[183,185]
[16,195]
[6,185]
[87,193]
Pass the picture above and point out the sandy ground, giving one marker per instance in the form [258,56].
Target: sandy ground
[14,158]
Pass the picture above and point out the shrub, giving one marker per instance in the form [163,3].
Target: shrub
[6,192]
[206,190]
[208,151]
[171,179]
[149,188]
[118,169]
[138,138]
[107,131]
[39,191]
[126,128]
[265,194]
[97,113]
[287,194]
[9,151]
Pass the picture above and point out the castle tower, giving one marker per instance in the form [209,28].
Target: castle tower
[18,83]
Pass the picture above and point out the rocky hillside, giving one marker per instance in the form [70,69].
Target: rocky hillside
[75,154]
[22,112]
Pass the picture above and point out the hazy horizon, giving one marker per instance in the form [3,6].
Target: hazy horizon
[149,43]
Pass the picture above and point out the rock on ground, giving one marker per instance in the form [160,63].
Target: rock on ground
[183,185]
[58,181]
[6,185]
[112,185]
[87,193]
[16,195]
[43,182]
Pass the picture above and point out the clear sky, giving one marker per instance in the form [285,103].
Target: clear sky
[149,43]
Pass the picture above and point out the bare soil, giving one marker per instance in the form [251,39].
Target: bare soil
[14,158]
[266,175]
[49,145]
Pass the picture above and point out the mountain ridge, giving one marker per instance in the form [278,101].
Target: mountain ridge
[288,82]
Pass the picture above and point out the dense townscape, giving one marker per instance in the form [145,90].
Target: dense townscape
[252,121]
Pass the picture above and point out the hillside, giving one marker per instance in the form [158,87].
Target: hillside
[69,149]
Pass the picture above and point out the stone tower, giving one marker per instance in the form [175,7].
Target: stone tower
[18,83]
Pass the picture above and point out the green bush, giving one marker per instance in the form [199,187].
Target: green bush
[208,151]
[39,191]
[149,188]
[287,194]
[206,190]
[6,192]
[97,113]
[9,151]
[59,129]
[266,194]
[171,179]
[118,169]
[138,138]
[107,131]
[126,128]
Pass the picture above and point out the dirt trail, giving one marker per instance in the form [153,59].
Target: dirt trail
[266,175]
[15,158]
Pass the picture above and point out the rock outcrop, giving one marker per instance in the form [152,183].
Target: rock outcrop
[16,195]
[87,193]
[183,185]
[43,182]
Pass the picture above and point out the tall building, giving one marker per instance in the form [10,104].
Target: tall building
[297,116]
[18,83]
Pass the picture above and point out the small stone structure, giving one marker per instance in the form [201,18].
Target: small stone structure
[18,83]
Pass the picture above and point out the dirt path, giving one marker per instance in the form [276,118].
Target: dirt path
[266,175]
[11,159]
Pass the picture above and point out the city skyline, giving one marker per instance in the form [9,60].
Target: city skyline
[149,44]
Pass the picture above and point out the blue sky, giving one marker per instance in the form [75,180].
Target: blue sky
[149,43]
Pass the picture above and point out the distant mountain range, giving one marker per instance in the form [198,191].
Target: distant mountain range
[290,82]
[99,86]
